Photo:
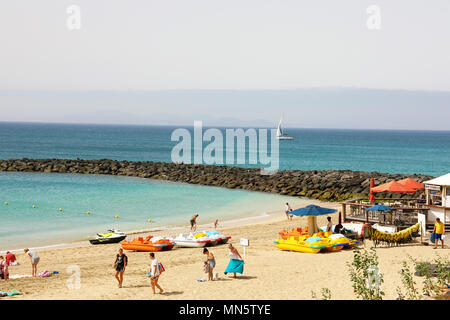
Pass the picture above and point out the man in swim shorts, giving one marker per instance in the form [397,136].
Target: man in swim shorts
[194,222]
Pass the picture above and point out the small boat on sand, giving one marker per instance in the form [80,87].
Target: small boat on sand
[217,237]
[198,240]
[149,244]
[112,236]
[309,245]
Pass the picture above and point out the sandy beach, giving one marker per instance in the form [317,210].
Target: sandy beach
[269,273]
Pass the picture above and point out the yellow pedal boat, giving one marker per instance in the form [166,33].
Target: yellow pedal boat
[309,245]
[342,241]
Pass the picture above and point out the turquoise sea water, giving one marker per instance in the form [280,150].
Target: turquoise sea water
[407,152]
[167,204]
[134,200]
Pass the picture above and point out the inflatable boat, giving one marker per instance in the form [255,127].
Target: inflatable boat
[112,236]
[149,244]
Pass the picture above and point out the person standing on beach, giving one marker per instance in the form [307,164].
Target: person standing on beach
[120,265]
[34,257]
[288,210]
[4,273]
[216,223]
[211,261]
[439,231]
[155,272]
[194,222]
[236,264]
[329,225]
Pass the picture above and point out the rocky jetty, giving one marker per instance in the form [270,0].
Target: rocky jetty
[329,185]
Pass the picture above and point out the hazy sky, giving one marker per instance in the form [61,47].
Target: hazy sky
[255,59]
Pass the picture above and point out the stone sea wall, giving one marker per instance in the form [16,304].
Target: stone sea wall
[330,185]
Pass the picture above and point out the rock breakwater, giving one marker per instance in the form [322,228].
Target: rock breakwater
[327,185]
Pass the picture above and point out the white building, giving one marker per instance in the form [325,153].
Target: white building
[438,199]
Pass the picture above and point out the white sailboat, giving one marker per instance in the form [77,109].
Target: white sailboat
[280,134]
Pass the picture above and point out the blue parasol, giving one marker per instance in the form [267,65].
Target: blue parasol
[379,207]
[312,211]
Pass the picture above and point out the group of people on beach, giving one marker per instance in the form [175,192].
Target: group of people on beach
[236,264]
[5,263]
[156,268]
[193,223]
[11,260]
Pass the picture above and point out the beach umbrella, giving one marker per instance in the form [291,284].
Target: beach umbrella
[379,207]
[312,212]
[411,183]
[372,194]
[395,187]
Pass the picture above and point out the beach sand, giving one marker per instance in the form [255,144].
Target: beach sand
[269,273]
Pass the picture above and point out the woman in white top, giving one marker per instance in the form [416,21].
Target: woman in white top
[234,255]
[155,273]
[34,257]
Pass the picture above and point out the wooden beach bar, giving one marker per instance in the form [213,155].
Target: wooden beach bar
[405,212]
[404,215]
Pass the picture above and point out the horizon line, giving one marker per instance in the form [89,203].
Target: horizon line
[223,89]
[224,127]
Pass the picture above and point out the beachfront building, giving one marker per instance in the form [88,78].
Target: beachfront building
[437,193]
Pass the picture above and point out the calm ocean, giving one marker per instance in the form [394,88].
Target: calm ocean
[136,200]
[407,152]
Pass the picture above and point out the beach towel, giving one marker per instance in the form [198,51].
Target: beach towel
[19,276]
[235,266]
[12,293]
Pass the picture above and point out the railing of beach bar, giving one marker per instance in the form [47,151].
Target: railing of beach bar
[405,213]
